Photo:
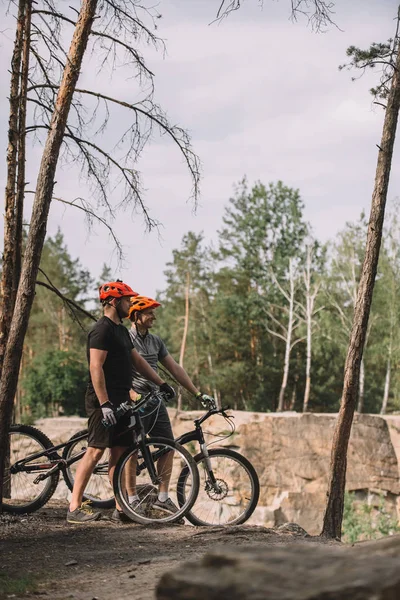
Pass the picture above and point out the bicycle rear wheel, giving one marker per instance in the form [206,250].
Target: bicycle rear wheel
[228,495]
[131,477]
[98,490]
[20,494]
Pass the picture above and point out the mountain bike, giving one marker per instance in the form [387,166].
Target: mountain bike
[33,467]
[229,485]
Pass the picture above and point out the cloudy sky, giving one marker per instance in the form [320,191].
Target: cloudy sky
[262,97]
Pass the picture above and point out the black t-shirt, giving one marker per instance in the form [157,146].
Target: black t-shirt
[107,335]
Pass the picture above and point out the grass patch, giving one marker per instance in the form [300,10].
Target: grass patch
[16,585]
[363,521]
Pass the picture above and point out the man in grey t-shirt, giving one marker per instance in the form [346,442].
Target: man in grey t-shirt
[153,350]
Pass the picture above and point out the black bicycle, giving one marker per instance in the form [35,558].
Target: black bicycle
[33,467]
[229,485]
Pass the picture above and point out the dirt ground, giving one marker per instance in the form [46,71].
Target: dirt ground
[42,556]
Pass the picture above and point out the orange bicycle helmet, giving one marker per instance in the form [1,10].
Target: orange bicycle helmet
[141,302]
[115,289]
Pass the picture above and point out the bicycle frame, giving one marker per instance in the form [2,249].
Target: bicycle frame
[57,463]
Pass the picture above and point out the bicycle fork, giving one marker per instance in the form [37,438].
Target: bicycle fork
[211,481]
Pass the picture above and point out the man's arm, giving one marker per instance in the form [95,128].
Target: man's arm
[144,368]
[97,358]
[179,374]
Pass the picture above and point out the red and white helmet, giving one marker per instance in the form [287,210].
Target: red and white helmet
[115,289]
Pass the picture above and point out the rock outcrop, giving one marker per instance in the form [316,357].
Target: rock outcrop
[296,571]
[291,453]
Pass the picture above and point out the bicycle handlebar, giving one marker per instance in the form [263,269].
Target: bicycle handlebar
[133,407]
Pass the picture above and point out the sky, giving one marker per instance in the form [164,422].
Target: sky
[261,96]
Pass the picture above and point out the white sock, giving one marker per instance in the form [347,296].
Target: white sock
[162,496]
[133,498]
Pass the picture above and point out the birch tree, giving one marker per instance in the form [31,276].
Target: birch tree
[387,93]
[341,289]
[285,326]
[311,290]
[388,305]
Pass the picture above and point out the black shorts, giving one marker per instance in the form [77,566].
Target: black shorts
[100,436]
[156,420]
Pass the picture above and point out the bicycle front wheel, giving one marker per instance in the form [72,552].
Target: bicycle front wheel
[20,492]
[133,478]
[98,489]
[229,489]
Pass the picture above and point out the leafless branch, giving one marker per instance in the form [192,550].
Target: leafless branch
[72,306]
[319,13]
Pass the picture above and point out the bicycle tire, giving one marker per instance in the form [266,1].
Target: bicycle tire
[150,491]
[94,486]
[30,504]
[205,507]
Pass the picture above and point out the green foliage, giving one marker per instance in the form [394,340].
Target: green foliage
[55,383]
[235,301]
[363,521]
[378,54]
[11,586]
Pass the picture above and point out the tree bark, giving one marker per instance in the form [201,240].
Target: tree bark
[6,296]
[334,510]
[20,193]
[38,223]
[184,336]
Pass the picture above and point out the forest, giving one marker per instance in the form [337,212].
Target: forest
[268,311]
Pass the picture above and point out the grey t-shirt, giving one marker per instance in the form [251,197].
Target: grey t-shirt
[152,349]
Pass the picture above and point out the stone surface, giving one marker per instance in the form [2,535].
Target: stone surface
[291,454]
[297,571]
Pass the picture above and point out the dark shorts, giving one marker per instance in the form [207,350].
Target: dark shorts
[101,437]
[156,421]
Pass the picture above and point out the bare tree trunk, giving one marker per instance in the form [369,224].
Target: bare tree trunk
[387,385]
[209,358]
[184,336]
[20,194]
[308,354]
[334,510]
[38,223]
[288,346]
[6,296]
[310,299]
[389,358]
[360,405]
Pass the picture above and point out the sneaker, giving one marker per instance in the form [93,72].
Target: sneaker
[139,507]
[83,514]
[120,517]
[167,505]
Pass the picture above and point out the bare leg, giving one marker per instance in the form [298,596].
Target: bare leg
[130,475]
[115,453]
[164,470]
[85,469]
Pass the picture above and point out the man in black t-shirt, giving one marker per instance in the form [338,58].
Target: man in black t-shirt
[111,356]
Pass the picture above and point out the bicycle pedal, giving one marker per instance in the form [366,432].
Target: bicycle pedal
[40,478]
